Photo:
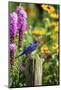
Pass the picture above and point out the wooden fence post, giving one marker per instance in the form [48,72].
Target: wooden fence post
[38,72]
[34,72]
[30,72]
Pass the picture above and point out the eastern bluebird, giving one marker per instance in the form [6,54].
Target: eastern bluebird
[30,49]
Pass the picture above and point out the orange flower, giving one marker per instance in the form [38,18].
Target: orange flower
[45,50]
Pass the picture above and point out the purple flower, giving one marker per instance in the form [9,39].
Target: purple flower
[21,12]
[13,24]
[13,49]
[22,24]
[22,19]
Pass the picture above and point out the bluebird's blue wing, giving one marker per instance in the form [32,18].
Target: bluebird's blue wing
[30,49]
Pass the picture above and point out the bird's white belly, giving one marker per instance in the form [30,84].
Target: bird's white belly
[34,52]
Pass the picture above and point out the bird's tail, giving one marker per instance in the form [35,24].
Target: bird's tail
[19,55]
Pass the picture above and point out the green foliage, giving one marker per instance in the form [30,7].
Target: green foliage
[51,72]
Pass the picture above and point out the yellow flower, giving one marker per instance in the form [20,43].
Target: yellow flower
[55,48]
[54,34]
[48,8]
[45,50]
[51,9]
[54,15]
[53,24]
[44,6]
[39,32]
[54,37]
[56,29]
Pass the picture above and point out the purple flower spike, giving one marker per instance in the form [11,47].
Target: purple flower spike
[21,12]
[22,25]
[13,49]
[22,19]
[13,24]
